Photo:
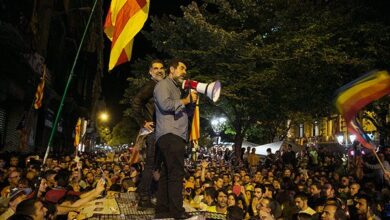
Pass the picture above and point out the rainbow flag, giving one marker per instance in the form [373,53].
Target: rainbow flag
[124,20]
[354,96]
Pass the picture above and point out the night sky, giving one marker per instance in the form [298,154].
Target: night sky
[114,83]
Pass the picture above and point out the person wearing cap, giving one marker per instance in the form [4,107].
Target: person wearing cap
[16,197]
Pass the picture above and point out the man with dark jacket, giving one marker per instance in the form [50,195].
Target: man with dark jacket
[143,113]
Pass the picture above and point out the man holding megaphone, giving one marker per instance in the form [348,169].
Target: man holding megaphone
[172,113]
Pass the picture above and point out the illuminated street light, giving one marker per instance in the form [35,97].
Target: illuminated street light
[104,116]
[217,124]
[340,139]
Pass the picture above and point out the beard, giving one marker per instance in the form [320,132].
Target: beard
[179,80]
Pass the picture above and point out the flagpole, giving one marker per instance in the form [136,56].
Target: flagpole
[67,85]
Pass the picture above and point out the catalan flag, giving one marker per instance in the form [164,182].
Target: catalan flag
[354,96]
[195,128]
[40,90]
[124,20]
[77,133]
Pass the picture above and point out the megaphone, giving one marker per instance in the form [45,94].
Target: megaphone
[211,90]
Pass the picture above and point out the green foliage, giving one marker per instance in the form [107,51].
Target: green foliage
[274,58]
[124,132]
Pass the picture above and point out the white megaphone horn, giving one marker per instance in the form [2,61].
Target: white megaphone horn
[211,90]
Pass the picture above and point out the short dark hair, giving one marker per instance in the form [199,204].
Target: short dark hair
[175,62]
[210,191]
[155,61]
[302,196]
[26,207]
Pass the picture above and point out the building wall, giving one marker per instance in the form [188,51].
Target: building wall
[328,127]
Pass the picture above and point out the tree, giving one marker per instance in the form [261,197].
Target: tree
[124,132]
[275,58]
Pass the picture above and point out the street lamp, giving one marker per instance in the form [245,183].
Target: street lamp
[217,125]
[340,139]
[104,116]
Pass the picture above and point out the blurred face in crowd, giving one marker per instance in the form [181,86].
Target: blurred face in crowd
[43,185]
[242,173]
[126,168]
[268,192]
[264,206]
[40,211]
[222,200]
[157,71]
[226,179]
[247,179]
[218,183]
[51,181]
[354,189]
[14,178]
[264,172]
[300,203]
[90,178]
[328,191]
[314,190]
[231,201]
[328,212]
[258,193]
[361,206]
[287,173]
[14,161]
[236,178]
[276,184]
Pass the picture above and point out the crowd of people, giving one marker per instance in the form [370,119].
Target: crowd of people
[282,185]
[309,184]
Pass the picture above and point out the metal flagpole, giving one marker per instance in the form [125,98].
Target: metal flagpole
[67,85]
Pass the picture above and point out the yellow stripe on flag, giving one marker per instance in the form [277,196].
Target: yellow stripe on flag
[40,90]
[124,20]
[77,133]
[195,128]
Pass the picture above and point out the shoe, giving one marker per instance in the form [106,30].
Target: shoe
[145,204]
[184,215]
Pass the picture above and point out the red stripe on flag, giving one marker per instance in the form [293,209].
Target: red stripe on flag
[124,15]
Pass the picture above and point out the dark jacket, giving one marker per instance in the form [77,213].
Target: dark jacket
[143,104]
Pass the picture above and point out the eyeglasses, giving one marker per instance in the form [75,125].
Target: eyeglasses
[14,177]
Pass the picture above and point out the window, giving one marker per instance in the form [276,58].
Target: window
[301,131]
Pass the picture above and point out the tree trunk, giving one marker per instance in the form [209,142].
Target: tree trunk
[238,139]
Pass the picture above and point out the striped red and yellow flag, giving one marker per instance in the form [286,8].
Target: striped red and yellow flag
[124,20]
[354,96]
[40,90]
[195,128]
[77,133]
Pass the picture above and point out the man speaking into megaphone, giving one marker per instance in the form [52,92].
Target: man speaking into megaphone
[172,134]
